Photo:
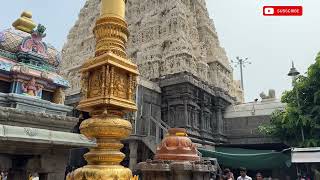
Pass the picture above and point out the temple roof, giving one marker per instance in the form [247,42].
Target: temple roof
[22,47]
[12,39]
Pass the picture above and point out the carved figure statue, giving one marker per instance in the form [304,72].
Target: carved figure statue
[59,96]
[84,85]
[40,31]
[31,88]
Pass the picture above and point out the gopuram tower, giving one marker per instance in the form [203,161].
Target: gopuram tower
[108,81]
[166,37]
[185,80]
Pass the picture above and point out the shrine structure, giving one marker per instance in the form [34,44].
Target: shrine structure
[35,131]
[177,159]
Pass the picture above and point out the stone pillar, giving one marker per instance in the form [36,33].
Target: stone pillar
[213,120]
[219,120]
[18,170]
[186,117]
[5,162]
[17,175]
[53,164]
[202,123]
[133,146]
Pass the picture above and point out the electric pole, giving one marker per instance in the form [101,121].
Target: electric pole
[241,63]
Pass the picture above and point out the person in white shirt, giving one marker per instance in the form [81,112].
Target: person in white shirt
[35,176]
[243,175]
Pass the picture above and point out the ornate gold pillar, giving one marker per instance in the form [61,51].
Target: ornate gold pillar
[108,82]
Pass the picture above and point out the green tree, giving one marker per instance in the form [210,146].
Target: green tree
[301,117]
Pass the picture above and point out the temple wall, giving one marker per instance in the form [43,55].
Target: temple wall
[241,122]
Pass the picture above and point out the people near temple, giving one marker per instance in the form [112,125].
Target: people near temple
[34,176]
[228,175]
[4,175]
[259,176]
[243,174]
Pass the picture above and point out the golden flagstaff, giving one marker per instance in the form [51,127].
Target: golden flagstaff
[108,84]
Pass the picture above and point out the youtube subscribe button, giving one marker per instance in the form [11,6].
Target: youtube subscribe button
[282,10]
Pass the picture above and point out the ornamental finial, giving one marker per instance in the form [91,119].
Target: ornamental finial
[25,22]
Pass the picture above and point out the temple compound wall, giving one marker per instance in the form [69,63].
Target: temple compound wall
[241,122]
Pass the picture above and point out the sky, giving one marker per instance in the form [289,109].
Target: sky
[270,43]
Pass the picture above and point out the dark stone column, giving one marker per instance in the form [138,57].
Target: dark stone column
[54,163]
[202,118]
[133,146]
[19,169]
[213,120]
[219,120]
[5,162]
[17,175]
[186,117]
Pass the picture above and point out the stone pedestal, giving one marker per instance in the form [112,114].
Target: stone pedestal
[170,170]
[182,170]
[176,159]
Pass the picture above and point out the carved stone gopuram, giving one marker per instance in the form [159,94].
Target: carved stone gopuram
[166,37]
[177,51]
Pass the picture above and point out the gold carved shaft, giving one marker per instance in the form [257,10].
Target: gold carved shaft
[108,83]
[111,34]
[113,8]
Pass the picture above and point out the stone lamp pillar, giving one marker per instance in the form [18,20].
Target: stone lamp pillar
[108,82]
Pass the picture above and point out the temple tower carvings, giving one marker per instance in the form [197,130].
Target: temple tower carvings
[166,37]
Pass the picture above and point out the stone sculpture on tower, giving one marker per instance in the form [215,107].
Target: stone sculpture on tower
[108,82]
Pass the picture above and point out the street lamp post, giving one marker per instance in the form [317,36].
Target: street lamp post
[241,63]
[294,73]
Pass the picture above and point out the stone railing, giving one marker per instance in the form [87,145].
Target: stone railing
[156,130]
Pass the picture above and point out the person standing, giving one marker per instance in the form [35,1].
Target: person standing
[5,176]
[243,174]
[228,174]
[259,176]
[35,176]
